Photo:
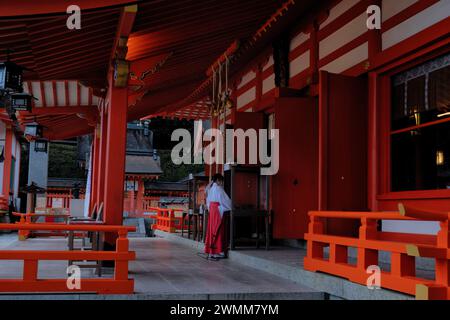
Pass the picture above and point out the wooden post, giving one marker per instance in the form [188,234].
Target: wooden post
[367,257]
[115,157]
[121,267]
[140,197]
[95,168]
[443,265]
[102,156]
[7,163]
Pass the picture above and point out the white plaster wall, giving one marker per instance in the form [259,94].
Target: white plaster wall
[344,35]
[268,83]
[299,64]
[348,60]
[247,97]
[424,19]
[416,227]
[338,10]
[390,8]
[247,78]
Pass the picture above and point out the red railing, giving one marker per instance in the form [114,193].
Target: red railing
[49,218]
[119,284]
[166,220]
[403,248]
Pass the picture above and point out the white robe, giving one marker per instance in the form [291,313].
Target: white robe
[215,193]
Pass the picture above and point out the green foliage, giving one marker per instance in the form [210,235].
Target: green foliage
[62,162]
[173,172]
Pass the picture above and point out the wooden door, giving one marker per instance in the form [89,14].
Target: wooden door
[245,184]
[295,184]
[343,148]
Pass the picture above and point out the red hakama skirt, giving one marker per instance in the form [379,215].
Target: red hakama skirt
[215,231]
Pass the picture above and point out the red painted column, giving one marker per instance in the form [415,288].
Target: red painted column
[140,197]
[101,158]
[132,197]
[372,152]
[94,169]
[259,86]
[374,38]
[115,155]
[314,55]
[7,163]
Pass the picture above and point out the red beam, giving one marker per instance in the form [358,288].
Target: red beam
[32,7]
[126,22]
[88,110]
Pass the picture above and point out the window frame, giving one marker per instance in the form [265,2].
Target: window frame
[383,84]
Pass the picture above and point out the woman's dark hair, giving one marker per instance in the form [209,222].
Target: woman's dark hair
[217,177]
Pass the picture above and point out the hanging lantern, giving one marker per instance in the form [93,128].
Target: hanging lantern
[33,131]
[41,145]
[10,76]
[21,102]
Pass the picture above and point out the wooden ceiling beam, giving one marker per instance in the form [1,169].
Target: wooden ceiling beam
[46,7]
[60,110]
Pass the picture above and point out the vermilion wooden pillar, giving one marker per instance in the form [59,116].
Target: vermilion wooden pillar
[140,197]
[115,156]
[7,162]
[94,169]
[101,156]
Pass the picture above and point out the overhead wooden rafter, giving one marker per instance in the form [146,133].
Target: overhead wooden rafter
[195,33]
[50,51]
[175,41]
[61,106]
[236,51]
[31,7]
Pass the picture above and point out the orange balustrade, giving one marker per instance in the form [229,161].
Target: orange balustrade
[119,284]
[32,218]
[166,220]
[403,248]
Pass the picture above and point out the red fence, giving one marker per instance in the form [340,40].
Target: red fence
[119,284]
[403,247]
[32,218]
[166,220]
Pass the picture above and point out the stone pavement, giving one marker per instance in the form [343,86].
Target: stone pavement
[166,270]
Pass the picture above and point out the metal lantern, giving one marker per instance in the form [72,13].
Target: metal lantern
[33,130]
[21,102]
[146,128]
[10,76]
[41,145]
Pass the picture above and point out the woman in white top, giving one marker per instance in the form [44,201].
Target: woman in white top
[217,202]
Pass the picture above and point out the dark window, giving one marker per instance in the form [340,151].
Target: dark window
[420,136]
[439,90]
